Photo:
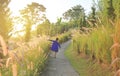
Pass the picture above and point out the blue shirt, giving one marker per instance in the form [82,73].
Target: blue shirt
[55,46]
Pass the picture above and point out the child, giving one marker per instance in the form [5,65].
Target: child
[55,46]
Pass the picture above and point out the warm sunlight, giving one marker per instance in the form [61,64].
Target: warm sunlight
[60,38]
[18,30]
[18,27]
[54,9]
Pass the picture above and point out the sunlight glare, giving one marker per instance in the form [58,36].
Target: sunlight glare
[16,5]
[18,27]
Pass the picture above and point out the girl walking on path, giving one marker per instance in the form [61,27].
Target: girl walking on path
[55,46]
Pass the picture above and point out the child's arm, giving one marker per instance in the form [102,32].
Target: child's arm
[50,40]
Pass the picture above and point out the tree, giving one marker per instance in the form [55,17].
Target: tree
[83,24]
[111,10]
[5,21]
[59,20]
[116,5]
[32,15]
[57,25]
[44,28]
[93,15]
[74,14]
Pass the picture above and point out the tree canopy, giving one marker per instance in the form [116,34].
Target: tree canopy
[5,21]
[74,13]
[32,15]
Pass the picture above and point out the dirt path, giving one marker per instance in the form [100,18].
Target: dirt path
[60,65]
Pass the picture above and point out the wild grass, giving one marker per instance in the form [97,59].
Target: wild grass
[27,59]
[115,48]
[64,36]
[84,66]
[96,43]
[3,46]
[102,43]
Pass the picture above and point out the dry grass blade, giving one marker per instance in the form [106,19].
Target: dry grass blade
[90,23]
[1,60]
[14,69]
[4,47]
[111,22]
[1,64]
[30,66]
[115,45]
[117,73]
[115,60]
[0,74]
[99,20]
[17,58]
[8,61]
[31,63]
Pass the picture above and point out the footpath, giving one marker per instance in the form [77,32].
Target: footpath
[59,66]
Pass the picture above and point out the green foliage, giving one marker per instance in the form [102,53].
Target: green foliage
[38,57]
[111,10]
[30,58]
[44,28]
[97,43]
[47,28]
[64,37]
[5,21]
[116,5]
[75,14]
[27,34]
[32,15]
[93,15]
[84,66]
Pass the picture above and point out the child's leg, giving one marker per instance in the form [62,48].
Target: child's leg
[55,54]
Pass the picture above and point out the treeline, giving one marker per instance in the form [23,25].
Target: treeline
[33,15]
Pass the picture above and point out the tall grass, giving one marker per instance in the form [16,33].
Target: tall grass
[96,43]
[26,60]
[101,44]
[115,48]
[3,46]
[64,37]
[78,38]
[29,58]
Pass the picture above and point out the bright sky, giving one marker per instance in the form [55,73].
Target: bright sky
[54,8]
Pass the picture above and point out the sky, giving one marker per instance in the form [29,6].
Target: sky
[54,8]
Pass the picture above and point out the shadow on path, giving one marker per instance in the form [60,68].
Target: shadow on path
[60,65]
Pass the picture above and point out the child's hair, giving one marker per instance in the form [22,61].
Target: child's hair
[57,39]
